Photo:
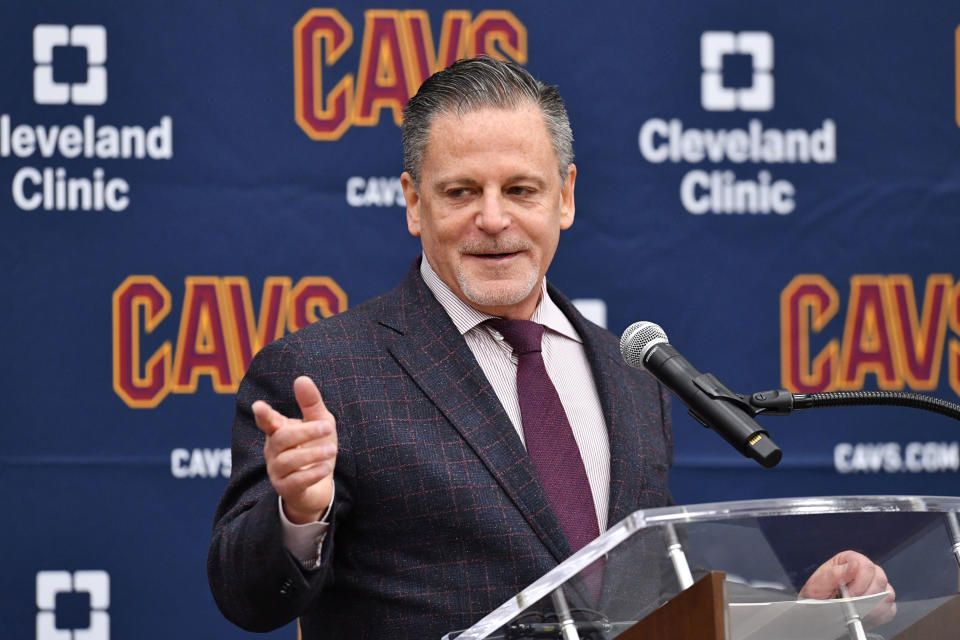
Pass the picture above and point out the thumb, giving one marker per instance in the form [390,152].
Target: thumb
[309,399]
[844,568]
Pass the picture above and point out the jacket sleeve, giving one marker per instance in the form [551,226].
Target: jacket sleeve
[256,582]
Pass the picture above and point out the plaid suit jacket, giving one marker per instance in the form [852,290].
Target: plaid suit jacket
[438,516]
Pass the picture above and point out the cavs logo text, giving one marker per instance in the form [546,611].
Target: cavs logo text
[397,54]
[217,336]
[886,332]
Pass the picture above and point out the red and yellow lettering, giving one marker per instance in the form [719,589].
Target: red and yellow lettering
[397,55]
[807,304]
[217,335]
[499,34]
[320,38]
[867,343]
[314,294]
[419,48]
[252,336]
[920,340]
[203,338]
[954,349]
[139,390]
[382,78]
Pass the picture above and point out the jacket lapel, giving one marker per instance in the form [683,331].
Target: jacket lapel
[434,354]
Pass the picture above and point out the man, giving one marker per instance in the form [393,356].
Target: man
[388,478]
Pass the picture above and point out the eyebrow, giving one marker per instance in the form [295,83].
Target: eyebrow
[443,185]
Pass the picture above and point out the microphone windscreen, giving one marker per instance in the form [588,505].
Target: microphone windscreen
[637,340]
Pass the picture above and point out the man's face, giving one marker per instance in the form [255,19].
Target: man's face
[490,206]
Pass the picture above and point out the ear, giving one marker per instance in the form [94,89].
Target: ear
[413,203]
[567,205]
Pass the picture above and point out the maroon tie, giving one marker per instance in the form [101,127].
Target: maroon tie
[548,436]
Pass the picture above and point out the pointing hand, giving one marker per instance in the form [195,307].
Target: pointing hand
[300,454]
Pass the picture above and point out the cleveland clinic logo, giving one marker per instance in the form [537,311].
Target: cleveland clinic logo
[733,169]
[54,585]
[70,69]
[715,47]
[93,40]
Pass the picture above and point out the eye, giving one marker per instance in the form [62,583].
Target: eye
[458,192]
[519,190]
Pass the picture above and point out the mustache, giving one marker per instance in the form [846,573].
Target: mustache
[498,245]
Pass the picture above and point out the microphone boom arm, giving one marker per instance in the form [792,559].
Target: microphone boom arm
[780,402]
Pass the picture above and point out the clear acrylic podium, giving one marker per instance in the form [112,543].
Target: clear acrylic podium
[747,562]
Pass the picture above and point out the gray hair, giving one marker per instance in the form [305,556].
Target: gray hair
[473,84]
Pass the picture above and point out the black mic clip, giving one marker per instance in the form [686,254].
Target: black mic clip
[776,402]
[760,447]
[710,385]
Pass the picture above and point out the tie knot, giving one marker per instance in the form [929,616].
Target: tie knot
[523,335]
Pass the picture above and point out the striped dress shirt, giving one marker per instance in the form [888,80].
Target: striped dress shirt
[567,366]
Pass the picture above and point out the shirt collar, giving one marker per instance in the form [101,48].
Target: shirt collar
[465,317]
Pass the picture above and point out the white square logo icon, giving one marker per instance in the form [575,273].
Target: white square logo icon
[94,583]
[714,45]
[93,38]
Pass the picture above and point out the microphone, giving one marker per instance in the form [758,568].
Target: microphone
[644,346]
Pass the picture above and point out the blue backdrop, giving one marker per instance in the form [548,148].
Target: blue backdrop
[776,184]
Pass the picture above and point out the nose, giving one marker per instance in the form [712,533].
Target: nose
[492,217]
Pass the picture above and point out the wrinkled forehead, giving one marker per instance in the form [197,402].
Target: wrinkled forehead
[466,126]
[489,129]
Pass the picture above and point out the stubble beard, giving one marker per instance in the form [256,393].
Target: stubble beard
[497,293]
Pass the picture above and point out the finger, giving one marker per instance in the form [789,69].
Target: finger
[885,611]
[297,434]
[884,616]
[891,593]
[267,418]
[889,600]
[293,460]
[296,484]
[309,399]
[879,582]
[858,574]
[825,581]
[839,570]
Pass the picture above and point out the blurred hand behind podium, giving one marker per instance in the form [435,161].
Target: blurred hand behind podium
[859,576]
